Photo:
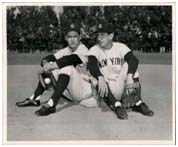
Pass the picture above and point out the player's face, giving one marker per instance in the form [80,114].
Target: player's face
[73,39]
[104,40]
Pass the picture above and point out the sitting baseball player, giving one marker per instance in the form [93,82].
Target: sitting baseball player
[68,77]
[56,77]
[118,68]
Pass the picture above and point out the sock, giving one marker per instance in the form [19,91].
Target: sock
[138,103]
[50,102]
[38,97]
[61,85]
[38,91]
[32,97]
[117,104]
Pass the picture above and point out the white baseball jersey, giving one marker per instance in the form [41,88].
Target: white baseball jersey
[81,50]
[112,66]
[111,60]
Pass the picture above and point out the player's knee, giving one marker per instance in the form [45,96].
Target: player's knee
[66,70]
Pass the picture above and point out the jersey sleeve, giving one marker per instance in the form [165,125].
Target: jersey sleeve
[94,51]
[82,53]
[82,50]
[59,54]
[124,50]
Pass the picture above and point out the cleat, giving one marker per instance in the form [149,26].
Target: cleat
[121,113]
[143,109]
[45,110]
[28,102]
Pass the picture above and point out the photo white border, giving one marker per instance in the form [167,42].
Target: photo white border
[81,3]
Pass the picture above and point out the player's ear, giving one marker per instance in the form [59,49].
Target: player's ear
[111,36]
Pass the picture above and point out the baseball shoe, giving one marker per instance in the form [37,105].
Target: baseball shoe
[143,109]
[121,113]
[45,110]
[28,102]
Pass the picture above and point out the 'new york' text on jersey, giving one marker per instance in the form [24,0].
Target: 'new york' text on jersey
[111,60]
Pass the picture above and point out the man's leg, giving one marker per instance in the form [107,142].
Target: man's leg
[140,106]
[34,99]
[63,78]
[114,104]
[50,107]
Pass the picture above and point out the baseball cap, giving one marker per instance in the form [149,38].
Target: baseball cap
[73,27]
[105,27]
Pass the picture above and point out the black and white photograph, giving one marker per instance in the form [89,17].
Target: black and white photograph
[90,73]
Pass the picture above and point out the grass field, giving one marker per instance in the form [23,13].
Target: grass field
[76,123]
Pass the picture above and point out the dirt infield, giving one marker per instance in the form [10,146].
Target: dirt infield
[74,122]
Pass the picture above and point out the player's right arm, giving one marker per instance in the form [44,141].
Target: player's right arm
[96,73]
[93,67]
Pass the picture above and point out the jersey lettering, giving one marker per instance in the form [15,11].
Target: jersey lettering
[114,61]
[103,62]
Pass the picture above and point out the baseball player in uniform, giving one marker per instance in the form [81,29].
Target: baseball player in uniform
[118,67]
[70,80]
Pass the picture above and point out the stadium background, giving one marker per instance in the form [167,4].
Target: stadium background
[41,28]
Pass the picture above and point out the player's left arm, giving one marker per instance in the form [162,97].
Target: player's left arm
[73,59]
[132,62]
[78,57]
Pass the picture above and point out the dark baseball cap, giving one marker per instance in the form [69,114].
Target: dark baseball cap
[73,27]
[105,27]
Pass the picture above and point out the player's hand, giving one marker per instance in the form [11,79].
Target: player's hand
[46,66]
[50,66]
[43,62]
[102,87]
[129,81]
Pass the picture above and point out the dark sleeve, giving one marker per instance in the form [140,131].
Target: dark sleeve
[132,62]
[49,58]
[93,67]
[68,60]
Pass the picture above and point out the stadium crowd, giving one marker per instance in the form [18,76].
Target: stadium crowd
[41,28]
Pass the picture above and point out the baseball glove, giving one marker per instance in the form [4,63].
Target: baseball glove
[47,80]
[131,95]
